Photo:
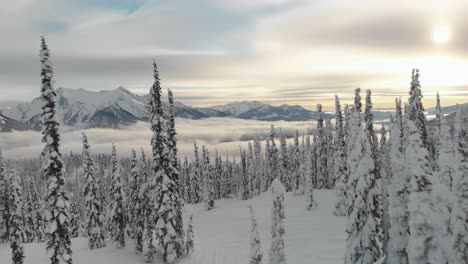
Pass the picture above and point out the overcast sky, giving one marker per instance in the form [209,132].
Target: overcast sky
[216,51]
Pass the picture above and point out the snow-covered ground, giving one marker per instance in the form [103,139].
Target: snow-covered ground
[222,235]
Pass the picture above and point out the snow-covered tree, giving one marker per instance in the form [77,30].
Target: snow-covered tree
[195,177]
[250,173]
[363,243]
[284,162]
[385,174]
[422,246]
[329,137]
[415,111]
[340,169]
[164,217]
[208,191]
[133,199]
[75,218]
[321,151]
[256,253]
[295,166]
[272,158]
[277,253]
[117,214]
[94,228]
[259,165]
[459,216]
[141,206]
[16,232]
[398,200]
[4,211]
[310,201]
[35,210]
[443,182]
[190,237]
[58,237]
[357,100]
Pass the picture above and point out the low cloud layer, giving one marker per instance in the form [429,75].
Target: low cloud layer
[223,134]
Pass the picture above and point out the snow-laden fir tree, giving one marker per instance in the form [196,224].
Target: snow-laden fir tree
[256,253]
[357,100]
[16,232]
[260,170]
[277,253]
[164,217]
[75,217]
[243,185]
[309,192]
[94,228]
[133,199]
[284,162]
[36,211]
[340,167]
[208,190]
[385,173]
[437,129]
[26,219]
[295,165]
[58,241]
[329,135]
[4,211]
[250,171]
[195,178]
[443,182]
[189,242]
[459,216]
[117,213]
[273,158]
[422,247]
[141,206]
[174,169]
[321,151]
[352,158]
[398,199]
[363,243]
[415,111]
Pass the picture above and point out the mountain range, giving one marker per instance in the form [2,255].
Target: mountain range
[119,108]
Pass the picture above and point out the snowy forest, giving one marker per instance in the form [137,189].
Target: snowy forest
[402,191]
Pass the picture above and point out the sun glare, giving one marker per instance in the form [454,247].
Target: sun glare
[441,34]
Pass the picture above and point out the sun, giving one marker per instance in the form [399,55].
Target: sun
[441,34]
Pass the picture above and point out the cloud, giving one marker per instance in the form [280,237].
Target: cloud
[223,134]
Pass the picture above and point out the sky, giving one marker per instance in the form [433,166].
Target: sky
[217,51]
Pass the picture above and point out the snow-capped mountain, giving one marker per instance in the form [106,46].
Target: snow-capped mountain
[282,112]
[7,124]
[82,108]
[238,108]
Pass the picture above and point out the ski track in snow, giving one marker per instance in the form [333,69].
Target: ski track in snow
[222,235]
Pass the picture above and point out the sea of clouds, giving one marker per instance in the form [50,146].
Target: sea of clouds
[222,134]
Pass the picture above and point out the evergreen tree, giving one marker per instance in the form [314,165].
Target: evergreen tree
[277,251]
[134,200]
[16,231]
[4,211]
[174,169]
[36,212]
[363,230]
[340,168]
[398,200]
[415,111]
[310,201]
[321,151]
[256,253]
[141,206]
[250,172]
[357,100]
[208,193]
[295,170]
[195,177]
[75,218]
[284,162]
[273,158]
[353,157]
[330,183]
[244,177]
[422,246]
[58,241]
[260,170]
[165,200]
[189,242]
[93,204]
[117,217]
[459,215]
[385,173]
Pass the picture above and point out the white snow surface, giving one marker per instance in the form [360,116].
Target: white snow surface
[222,235]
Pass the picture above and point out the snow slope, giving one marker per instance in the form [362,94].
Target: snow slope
[222,235]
